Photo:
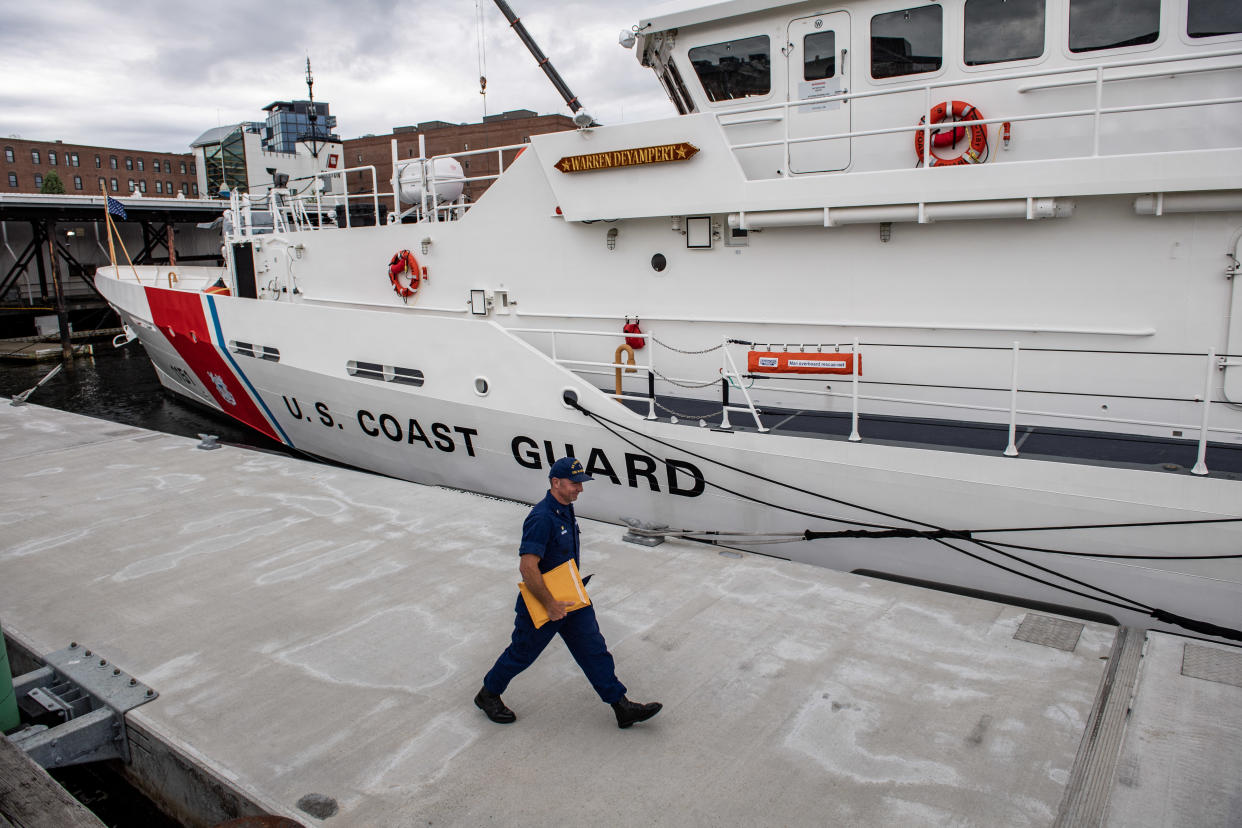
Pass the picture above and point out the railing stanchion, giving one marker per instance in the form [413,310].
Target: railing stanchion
[927,104]
[788,115]
[1201,461]
[735,373]
[1099,104]
[1011,450]
[854,436]
[651,415]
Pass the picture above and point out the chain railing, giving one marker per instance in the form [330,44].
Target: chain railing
[730,378]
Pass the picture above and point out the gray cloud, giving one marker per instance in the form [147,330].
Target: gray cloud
[154,75]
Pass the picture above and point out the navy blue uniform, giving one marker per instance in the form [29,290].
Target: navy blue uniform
[551,532]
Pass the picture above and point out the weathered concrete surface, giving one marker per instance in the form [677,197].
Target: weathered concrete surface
[1181,759]
[313,630]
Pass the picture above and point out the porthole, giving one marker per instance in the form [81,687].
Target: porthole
[658,262]
[481,386]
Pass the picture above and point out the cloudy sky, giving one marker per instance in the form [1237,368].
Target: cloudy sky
[153,74]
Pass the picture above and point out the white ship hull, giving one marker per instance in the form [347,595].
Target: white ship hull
[1050,337]
[500,445]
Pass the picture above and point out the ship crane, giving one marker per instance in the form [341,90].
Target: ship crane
[581,118]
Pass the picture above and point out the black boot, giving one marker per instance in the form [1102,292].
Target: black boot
[495,709]
[629,712]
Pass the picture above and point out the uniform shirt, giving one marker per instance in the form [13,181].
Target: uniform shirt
[551,533]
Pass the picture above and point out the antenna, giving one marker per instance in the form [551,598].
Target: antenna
[314,142]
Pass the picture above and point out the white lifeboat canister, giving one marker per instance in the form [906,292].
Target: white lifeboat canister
[446,173]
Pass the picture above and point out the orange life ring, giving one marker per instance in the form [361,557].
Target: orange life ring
[976,150]
[404,262]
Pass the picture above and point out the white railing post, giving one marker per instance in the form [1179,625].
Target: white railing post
[754,412]
[422,176]
[724,374]
[345,197]
[1099,104]
[788,114]
[927,144]
[1200,462]
[396,183]
[315,182]
[854,436]
[1011,450]
[651,415]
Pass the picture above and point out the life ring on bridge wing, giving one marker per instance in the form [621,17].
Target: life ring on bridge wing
[404,262]
[976,150]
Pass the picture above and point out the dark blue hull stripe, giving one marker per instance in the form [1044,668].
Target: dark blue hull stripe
[224,349]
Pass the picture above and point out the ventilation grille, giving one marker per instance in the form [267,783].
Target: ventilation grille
[255,351]
[1212,664]
[1050,632]
[384,373]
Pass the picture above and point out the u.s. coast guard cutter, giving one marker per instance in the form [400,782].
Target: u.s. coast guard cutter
[937,291]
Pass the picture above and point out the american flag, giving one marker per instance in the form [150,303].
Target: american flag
[116,208]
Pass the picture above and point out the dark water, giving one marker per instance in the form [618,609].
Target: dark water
[119,384]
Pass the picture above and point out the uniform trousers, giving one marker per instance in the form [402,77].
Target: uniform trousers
[581,633]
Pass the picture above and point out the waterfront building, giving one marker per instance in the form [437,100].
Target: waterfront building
[85,169]
[440,138]
[290,121]
[241,158]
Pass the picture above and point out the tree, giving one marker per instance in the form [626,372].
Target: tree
[52,184]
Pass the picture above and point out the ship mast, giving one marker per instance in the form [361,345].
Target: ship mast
[314,143]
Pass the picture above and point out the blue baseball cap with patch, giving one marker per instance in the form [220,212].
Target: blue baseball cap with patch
[569,468]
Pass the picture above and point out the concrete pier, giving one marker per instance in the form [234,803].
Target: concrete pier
[316,636]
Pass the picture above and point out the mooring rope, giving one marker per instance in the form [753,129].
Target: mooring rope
[938,534]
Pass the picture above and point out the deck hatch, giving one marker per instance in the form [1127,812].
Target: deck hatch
[1048,631]
[1212,664]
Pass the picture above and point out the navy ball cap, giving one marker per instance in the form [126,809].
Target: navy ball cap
[569,468]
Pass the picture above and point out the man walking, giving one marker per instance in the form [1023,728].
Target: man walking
[549,539]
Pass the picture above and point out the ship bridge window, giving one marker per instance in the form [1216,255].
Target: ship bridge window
[819,55]
[996,31]
[907,42]
[1106,24]
[1209,18]
[734,69]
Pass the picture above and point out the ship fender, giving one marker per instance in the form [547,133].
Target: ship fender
[974,153]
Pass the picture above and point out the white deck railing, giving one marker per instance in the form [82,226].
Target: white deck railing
[1096,112]
[1200,371]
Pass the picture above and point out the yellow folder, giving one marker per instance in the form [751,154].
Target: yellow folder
[564,583]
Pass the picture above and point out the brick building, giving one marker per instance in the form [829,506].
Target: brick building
[84,169]
[513,127]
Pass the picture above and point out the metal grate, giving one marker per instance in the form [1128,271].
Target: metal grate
[1212,664]
[1050,632]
